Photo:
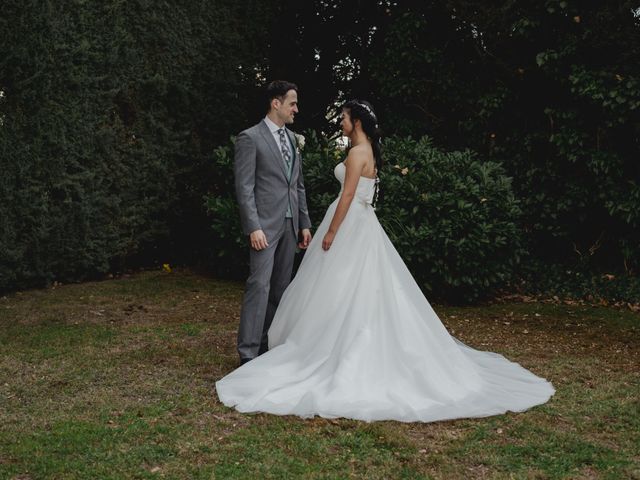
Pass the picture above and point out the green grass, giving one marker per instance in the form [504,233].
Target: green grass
[115,379]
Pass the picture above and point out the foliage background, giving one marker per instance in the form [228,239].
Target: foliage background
[452,217]
[111,113]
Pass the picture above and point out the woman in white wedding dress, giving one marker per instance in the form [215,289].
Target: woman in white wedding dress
[355,337]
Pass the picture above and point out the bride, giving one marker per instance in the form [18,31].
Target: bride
[355,337]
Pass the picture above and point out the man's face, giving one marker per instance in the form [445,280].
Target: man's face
[287,107]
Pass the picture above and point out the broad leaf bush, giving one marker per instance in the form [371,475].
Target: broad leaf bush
[452,216]
[229,253]
[572,282]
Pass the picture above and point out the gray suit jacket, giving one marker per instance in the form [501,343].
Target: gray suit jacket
[262,189]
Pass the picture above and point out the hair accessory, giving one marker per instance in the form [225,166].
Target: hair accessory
[368,109]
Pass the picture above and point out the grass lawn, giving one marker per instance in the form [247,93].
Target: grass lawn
[114,379]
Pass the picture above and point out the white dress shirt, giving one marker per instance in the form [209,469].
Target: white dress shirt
[274,131]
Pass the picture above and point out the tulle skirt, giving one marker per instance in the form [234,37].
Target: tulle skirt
[355,337]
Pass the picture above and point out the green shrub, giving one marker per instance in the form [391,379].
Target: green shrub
[451,216]
[573,280]
[229,252]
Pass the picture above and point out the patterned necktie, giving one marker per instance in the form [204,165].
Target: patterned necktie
[284,148]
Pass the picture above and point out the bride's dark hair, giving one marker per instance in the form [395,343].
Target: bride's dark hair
[363,111]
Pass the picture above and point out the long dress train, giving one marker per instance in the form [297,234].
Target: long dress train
[355,337]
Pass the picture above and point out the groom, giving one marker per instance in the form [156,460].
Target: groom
[273,210]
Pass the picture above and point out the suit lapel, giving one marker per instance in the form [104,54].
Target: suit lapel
[268,137]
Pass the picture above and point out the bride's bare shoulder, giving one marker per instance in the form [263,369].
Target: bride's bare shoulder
[358,155]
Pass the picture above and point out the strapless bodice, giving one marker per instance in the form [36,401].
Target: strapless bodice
[366,186]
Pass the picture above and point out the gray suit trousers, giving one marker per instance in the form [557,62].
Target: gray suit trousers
[270,274]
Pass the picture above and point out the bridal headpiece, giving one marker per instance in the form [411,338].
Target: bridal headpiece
[369,110]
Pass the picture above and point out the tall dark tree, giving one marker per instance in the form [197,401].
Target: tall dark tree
[550,89]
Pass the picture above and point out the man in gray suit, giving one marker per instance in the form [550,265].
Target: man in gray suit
[273,210]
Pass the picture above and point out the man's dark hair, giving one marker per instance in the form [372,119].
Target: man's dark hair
[278,89]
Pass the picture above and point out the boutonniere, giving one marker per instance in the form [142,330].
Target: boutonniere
[299,142]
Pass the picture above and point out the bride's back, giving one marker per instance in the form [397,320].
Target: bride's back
[369,169]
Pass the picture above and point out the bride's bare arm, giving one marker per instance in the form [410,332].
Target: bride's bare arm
[355,163]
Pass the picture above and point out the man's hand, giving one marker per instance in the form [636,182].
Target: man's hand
[258,240]
[328,240]
[306,238]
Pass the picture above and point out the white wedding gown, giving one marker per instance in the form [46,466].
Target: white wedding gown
[355,337]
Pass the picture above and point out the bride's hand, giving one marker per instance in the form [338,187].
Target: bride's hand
[328,240]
